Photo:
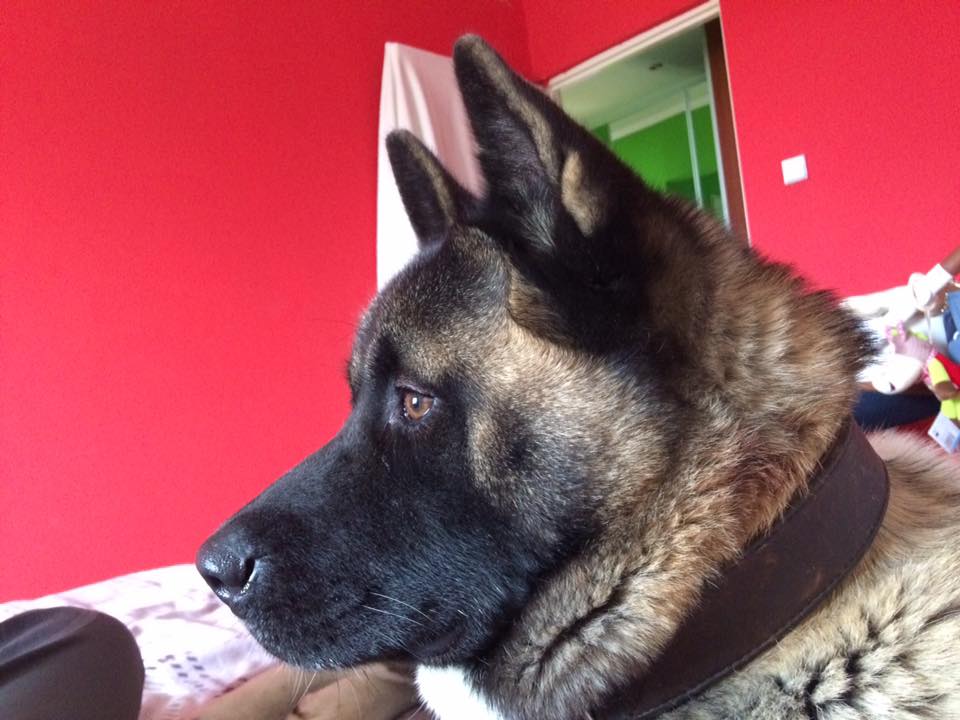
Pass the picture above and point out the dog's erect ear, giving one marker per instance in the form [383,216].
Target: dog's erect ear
[433,199]
[599,258]
[538,163]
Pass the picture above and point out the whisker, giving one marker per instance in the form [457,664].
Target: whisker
[401,602]
[397,643]
[306,686]
[364,679]
[417,709]
[294,686]
[393,614]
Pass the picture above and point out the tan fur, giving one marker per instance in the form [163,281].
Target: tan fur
[581,198]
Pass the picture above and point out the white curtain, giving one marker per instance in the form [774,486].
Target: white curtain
[419,93]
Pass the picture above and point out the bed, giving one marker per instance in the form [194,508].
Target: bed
[201,663]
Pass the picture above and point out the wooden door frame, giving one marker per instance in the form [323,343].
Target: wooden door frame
[726,129]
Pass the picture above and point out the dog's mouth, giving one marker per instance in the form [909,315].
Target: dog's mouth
[355,637]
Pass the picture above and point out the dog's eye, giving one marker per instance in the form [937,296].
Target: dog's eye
[416,405]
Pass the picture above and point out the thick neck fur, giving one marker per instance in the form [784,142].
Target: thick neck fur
[771,386]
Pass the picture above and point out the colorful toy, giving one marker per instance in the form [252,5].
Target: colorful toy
[944,378]
[903,362]
[945,383]
[915,306]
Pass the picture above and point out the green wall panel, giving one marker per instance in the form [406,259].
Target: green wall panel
[660,154]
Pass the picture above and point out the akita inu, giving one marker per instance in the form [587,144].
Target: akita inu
[577,415]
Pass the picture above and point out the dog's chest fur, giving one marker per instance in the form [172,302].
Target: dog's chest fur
[449,695]
[885,646]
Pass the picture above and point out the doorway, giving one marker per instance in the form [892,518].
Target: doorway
[661,103]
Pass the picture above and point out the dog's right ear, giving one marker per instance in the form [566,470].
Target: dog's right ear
[434,201]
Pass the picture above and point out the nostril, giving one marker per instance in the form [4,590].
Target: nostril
[213,581]
[246,573]
[226,574]
[227,566]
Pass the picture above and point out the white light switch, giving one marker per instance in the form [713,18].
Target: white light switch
[794,169]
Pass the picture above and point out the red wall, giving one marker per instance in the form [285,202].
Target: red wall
[561,35]
[187,211]
[868,91]
[187,199]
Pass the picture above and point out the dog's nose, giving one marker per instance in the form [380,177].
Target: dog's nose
[227,562]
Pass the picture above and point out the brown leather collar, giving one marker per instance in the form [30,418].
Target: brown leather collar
[778,581]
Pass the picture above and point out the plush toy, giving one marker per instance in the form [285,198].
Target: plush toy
[902,362]
[901,304]
[913,305]
[909,344]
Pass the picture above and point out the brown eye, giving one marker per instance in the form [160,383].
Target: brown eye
[416,405]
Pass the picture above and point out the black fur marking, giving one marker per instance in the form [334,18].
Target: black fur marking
[781,685]
[905,659]
[852,669]
[516,439]
[926,706]
[810,706]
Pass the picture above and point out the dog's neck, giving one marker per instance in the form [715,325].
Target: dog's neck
[777,582]
[819,540]
[615,607]
[744,455]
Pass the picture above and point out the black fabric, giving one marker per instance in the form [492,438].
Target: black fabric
[780,579]
[70,664]
[875,411]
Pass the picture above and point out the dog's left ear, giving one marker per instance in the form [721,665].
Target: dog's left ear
[434,201]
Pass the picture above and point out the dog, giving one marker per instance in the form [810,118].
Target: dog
[578,404]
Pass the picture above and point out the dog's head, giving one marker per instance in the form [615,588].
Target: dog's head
[485,379]
[504,385]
